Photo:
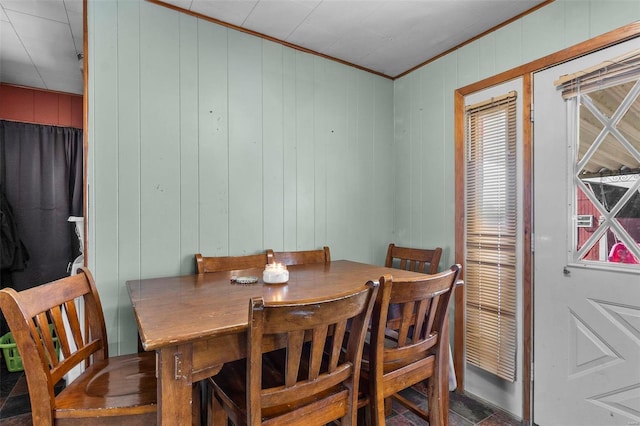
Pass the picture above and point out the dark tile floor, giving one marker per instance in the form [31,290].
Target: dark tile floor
[464,411]
[14,398]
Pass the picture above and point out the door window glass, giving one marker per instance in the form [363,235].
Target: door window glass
[606,174]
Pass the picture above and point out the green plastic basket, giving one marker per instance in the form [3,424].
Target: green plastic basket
[10,351]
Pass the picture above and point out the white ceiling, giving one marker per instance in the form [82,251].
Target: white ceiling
[40,39]
[39,43]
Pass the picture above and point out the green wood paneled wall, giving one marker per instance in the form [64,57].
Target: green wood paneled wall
[205,139]
[424,120]
[423,108]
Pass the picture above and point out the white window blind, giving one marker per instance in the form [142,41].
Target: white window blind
[613,72]
[491,226]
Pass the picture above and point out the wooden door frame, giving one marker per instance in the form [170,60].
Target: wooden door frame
[525,72]
[85,127]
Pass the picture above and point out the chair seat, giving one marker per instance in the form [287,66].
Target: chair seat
[122,385]
[230,385]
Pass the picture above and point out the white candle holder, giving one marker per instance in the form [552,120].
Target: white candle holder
[275,273]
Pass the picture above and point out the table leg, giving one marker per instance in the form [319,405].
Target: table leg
[174,366]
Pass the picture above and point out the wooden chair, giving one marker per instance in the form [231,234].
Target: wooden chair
[411,347]
[413,259]
[322,255]
[111,390]
[230,263]
[219,264]
[313,380]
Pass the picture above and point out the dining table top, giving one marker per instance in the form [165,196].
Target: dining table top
[175,310]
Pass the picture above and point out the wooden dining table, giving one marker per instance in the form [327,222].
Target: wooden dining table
[196,323]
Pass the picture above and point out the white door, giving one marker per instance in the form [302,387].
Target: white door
[586,318]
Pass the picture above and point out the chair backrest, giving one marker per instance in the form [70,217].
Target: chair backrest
[413,259]
[302,257]
[418,322]
[322,358]
[229,263]
[32,313]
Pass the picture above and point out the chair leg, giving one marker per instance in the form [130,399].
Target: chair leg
[217,415]
[376,411]
[438,399]
[204,403]
[364,416]
[208,404]
[196,407]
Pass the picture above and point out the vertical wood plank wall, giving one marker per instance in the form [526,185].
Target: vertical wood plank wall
[424,130]
[423,107]
[205,139]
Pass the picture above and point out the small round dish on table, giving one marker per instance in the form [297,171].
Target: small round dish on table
[244,280]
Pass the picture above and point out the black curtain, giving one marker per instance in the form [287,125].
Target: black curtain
[41,177]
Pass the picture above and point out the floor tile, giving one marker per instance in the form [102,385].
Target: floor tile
[456,419]
[415,420]
[7,380]
[14,406]
[20,387]
[500,419]
[416,397]
[469,408]
[398,420]
[21,420]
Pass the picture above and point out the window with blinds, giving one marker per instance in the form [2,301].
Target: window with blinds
[491,228]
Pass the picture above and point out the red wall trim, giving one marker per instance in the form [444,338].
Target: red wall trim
[40,106]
